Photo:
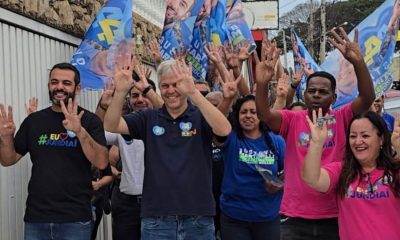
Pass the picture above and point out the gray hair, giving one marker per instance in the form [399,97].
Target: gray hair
[165,68]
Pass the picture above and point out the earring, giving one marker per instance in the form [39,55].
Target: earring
[381,147]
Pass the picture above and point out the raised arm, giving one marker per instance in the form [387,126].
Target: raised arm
[185,86]
[32,105]
[105,100]
[94,152]
[8,156]
[234,60]
[230,91]
[296,78]
[281,92]
[264,73]
[312,173]
[113,121]
[144,86]
[352,52]
[154,49]
[396,137]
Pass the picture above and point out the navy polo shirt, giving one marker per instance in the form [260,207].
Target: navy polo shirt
[177,178]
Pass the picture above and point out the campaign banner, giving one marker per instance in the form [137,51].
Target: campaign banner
[196,55]
[377,39]
[179,21]
[238,31]
[217,23]
[302,58]
[108,36]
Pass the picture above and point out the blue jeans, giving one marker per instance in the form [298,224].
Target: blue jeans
[178,228]
[58,231]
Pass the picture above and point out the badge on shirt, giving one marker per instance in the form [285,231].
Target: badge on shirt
[158,131]
[186,129]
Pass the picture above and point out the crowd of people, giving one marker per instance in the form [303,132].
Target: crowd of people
[191,163]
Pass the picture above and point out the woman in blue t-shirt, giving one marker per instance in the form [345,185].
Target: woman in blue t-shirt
[250,202]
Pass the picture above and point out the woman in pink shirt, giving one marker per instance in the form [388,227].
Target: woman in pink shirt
[367,183]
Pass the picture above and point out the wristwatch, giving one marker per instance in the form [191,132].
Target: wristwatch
[293,86]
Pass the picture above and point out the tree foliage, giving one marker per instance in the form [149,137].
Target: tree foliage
[352,12]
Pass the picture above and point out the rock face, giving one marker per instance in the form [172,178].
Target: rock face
[75,16]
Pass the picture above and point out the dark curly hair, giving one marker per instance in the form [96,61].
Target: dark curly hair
[352,168]
[262,126]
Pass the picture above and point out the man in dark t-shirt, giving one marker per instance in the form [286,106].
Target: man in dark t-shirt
[63,141]
[177,198]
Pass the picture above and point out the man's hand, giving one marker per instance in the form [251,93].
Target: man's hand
[72,120]
[185,84]
[266,66]
[141,71]
[154,48]
[107,96]
[350,50]
[123,77]
[297,77]
[7,126]
[230,87]
[212,52]
[282,86]
[32,105]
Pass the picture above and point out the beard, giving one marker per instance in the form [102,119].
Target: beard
[57,101]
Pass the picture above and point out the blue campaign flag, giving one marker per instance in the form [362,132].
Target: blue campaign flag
[238,31]
[217,23]
[377,39]
[179,22]
[301,57]
[201,36]
[107,37]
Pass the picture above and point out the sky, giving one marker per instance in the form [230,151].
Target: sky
[287,5]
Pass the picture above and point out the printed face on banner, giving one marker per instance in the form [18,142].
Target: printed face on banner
[178,10]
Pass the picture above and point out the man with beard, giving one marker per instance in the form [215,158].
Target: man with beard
[177,10]
[177,35]
[64,141]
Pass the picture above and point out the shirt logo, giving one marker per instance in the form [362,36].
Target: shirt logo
[158,131]
[58,139]
[186,129]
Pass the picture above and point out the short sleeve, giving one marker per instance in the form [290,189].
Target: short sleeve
[111,138]
[334,169]
[136,123]
[21,138]
[287,117]
[95,128]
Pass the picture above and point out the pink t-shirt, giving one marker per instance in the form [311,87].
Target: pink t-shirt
[366,212]
[300,200]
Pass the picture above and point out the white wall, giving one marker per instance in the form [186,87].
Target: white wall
[28,50]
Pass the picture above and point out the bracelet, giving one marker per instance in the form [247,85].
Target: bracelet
[101,106]
[146,90]
[293,86]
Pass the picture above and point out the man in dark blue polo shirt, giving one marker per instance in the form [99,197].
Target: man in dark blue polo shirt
[177,193]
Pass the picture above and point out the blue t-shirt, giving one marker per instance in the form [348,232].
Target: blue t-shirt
[243,189]
[389,120]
